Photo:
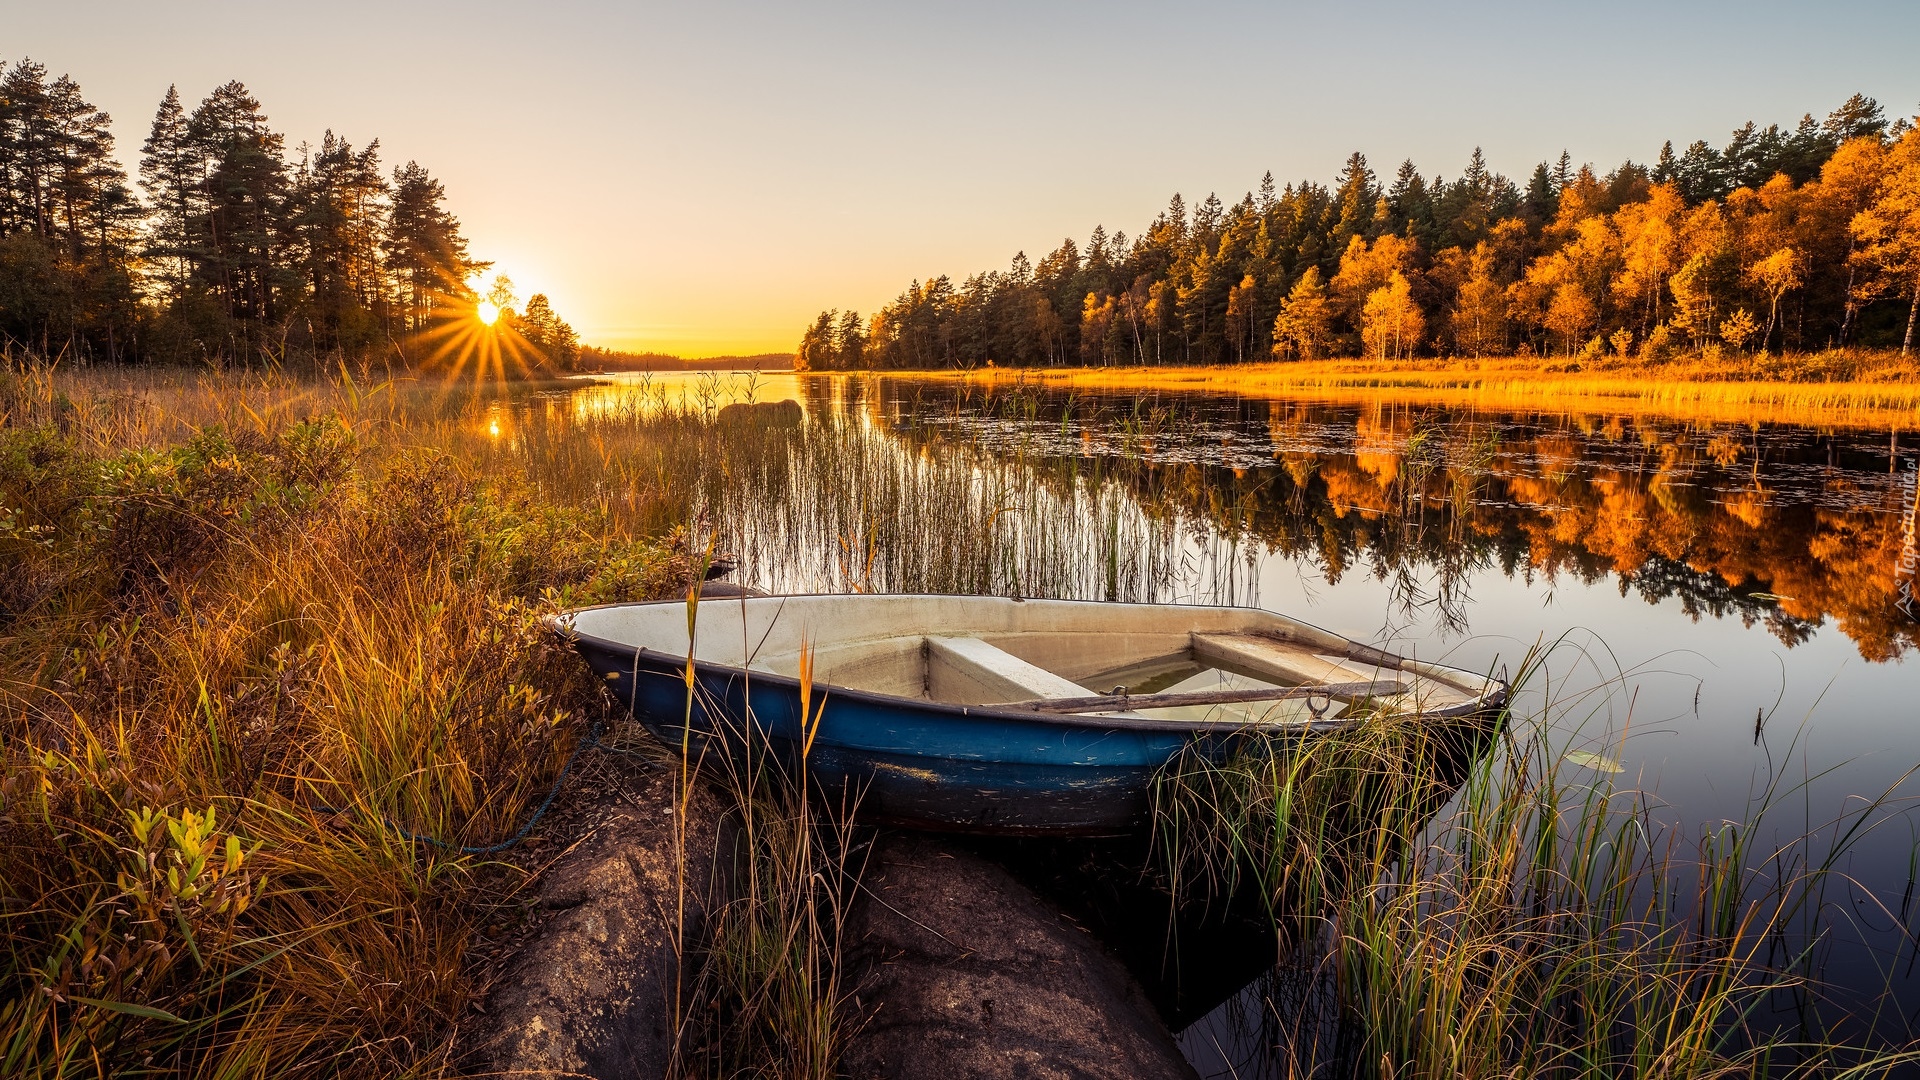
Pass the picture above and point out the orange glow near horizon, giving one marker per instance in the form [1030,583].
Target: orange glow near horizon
[481,348]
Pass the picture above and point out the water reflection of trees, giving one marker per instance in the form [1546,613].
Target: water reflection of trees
[1780,527]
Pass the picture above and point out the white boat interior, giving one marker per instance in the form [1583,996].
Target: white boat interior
[1165,662]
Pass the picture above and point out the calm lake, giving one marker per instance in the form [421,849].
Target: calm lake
[1717,602]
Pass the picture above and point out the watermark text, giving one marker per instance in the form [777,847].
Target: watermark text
[1904,567]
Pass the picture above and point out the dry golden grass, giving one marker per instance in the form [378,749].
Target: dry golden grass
[1874,390]
[210,636]
[259,635]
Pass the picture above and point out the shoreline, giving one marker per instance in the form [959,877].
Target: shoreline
[1495,386]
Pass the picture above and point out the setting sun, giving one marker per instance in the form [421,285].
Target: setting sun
[488,311]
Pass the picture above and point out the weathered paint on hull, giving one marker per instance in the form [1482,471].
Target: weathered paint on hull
[928,766]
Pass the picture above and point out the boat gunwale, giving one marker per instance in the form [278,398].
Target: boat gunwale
[1492,696]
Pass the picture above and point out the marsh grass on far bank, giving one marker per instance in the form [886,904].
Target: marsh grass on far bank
[1851,388]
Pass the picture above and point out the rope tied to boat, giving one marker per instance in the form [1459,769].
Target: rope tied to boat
[591,742]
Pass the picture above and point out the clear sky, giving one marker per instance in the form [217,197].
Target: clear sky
[704,177]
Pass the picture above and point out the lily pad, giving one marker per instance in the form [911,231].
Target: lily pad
[1596,762]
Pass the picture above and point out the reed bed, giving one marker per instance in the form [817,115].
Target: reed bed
[1472,902]
[840,503]
[1827,390]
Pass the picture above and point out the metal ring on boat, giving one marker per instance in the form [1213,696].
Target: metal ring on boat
[1319,711]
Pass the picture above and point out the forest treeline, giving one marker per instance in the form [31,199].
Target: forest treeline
[1787,239]
[597,358]
[228,247]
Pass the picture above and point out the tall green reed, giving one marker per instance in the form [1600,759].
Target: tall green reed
[1464,901]
[767,997]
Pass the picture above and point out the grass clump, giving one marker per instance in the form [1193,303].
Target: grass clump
[769,999]
[1476,903]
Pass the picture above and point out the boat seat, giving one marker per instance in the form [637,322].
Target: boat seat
[1282,661]
[968,671]
[1300,665]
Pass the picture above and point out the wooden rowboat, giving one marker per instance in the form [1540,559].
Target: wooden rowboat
[990,714]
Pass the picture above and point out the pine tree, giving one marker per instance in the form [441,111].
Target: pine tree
[1663,170]
[85,178]
[424,250]
[1805,150]
[1477,177]
[850,342]
[334,220]
[1097,261]
[1466,207]
[29,144]
[1541,202]
[1700,173]
[173,187]
[549,334]
[235,241]
[1355,197]
[1206,220]
[816,352]
[1858,117]
[1407,196]
[66,220]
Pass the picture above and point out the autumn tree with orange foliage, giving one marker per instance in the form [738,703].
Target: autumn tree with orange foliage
[1888,228]
[1391,323]
[1305,319]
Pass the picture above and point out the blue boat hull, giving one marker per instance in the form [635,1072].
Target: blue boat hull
[922,764]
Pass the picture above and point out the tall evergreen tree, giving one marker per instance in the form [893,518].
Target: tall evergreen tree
[424,249]
[1562,172]
[1542,202]
[334,221]
[235,243]
[28,143]
[1858,117]
[66,220]
[549,334]
[1355,196]
[169,176]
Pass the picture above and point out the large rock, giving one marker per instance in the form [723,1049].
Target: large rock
[591,991]
[962,972]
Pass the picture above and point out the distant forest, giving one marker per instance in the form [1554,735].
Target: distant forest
[593,358]
[1787,240]
[228,248]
